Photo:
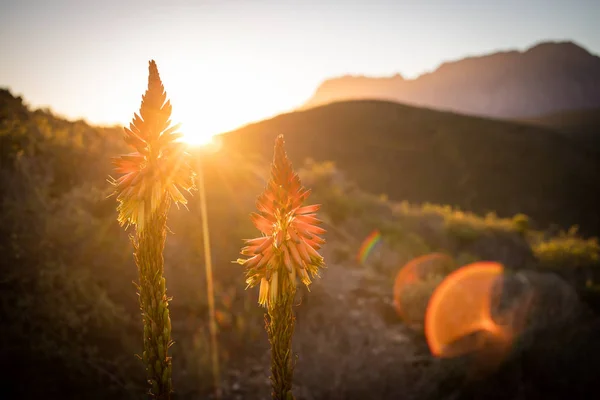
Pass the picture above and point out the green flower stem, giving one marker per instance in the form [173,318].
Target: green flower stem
[149,245]
[280,322]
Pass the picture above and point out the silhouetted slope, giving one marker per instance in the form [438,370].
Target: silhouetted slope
[423,155]
[580,125]
[548,77]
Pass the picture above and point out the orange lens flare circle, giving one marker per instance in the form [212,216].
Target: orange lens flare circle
[414,272]
[460,307]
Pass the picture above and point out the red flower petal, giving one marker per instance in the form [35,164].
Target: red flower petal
[261,223]
[309,228]
[268,242]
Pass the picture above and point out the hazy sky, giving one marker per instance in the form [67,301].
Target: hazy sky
[228,62]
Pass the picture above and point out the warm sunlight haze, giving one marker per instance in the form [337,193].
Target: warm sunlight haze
[294,200]
[229,63]
[206,101]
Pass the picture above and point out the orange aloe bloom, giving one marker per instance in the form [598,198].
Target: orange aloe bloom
[158,166]
[290,232]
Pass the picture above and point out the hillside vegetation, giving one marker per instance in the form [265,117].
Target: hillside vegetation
[69,311]
[421,155]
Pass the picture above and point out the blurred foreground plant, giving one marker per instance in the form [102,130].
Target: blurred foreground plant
[150,181]
[287,249]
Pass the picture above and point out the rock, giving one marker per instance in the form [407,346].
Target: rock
[552,300]
[506,247]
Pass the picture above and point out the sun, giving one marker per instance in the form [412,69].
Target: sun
[195,134]
[198,128]
[209,100]
[199,132]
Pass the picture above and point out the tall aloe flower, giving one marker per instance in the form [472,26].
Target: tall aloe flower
[150,181]
[287,250]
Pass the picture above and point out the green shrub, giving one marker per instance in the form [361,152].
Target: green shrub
[464,258]
[568,250]
[521,223]
[416,245]
[337,206]
[461,227]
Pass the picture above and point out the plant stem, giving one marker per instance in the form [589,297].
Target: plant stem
[149,245]
[209,284]
[280,322]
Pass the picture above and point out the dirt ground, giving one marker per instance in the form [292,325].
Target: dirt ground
[351,345]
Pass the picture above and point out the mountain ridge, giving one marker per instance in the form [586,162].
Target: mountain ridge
[547,77]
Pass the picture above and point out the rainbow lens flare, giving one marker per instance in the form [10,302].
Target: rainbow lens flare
[367,246]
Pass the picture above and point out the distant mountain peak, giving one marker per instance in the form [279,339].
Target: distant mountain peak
[555,47]
[548,77]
